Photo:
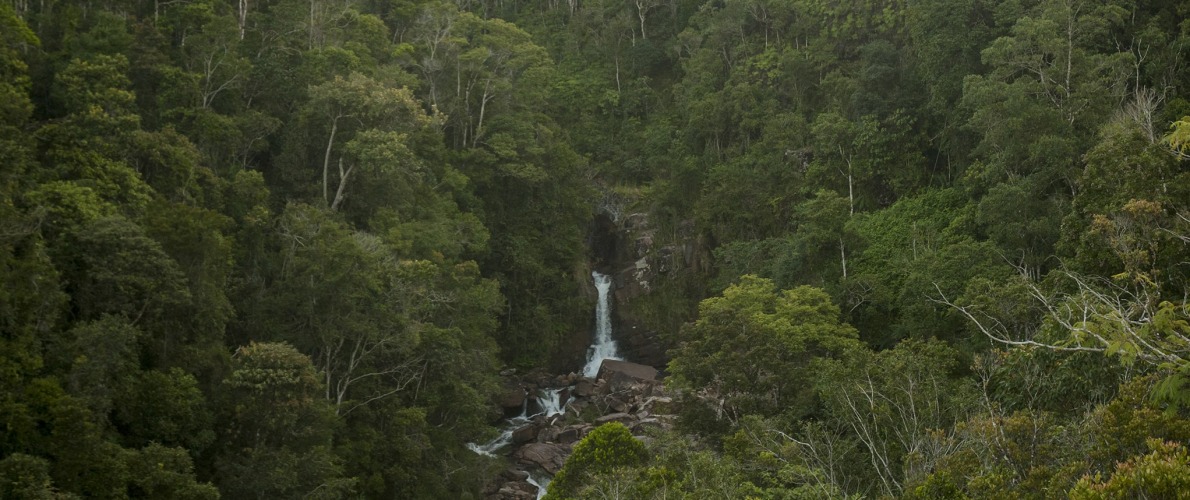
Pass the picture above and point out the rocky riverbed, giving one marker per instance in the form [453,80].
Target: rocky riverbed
[624,392]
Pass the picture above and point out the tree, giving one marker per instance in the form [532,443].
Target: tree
[1178,138]
[373,118]
[27,477]
[1163,473]
[604,449]
[342,303]
[164,408]
[1124,315]
[899,405]
[750,348]
[114,268]
[161,472]
[88,145]
[277,428]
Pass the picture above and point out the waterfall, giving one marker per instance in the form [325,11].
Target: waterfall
[551,402]
[604,347]
[505,438]
[491,447]
[542,482]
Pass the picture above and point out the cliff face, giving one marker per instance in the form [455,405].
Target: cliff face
[646,266]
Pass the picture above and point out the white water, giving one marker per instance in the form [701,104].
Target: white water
[505,438]
[491,447]
[551,402]
[542,482]
[604,347]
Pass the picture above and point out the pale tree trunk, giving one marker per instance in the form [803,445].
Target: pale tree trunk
[843,253]
[483,105]
[850,205]
[850,186]
[642,10]
[243,16]
[326,159]
[342,189]
[211,66]
[618,91]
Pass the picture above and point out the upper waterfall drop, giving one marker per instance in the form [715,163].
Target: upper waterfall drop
[603,347]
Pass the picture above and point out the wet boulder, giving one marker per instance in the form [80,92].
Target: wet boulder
[548,456]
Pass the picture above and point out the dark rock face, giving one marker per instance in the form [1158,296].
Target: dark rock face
[548,456]
[525,434]
[629,248]
[637,342]
[584,388]
[512,399]
[511,484]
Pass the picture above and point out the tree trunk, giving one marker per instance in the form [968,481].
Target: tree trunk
[843,253]
[483,106]
[326,159]
[342,190]
[243,16]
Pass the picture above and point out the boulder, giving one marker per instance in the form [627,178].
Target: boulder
[564,396]
[548,456]
[584,388]
[623,418]
[625,369]
[548,434]
[503,480]
[525,434]
[623,376]
[572,434]
[616,404]
[512,398]
[516,491]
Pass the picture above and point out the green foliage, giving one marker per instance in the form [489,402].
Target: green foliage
[161,472]
[750,349]
[398,190]
[898,403]
[1163,473]
[1122,427]
[164,407]
[277,428]
[1179,136]
[604,449]
[27,477]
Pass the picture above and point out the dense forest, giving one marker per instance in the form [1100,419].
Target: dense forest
[286,248]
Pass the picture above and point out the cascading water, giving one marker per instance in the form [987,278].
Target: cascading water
[541,481]
[604,347]
[491,448]
[551,402]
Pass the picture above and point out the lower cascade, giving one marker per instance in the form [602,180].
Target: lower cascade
[551,402]
[541,481]
[604,346]
[557,411]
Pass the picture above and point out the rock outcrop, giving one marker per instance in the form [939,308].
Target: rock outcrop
[643,262]
[548,456]
[624,392]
